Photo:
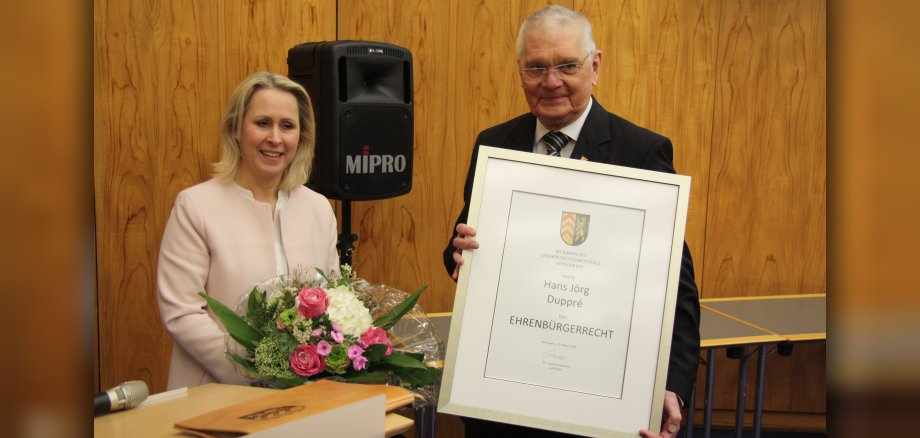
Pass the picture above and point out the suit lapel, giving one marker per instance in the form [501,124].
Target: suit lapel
[521,136]
[594,141]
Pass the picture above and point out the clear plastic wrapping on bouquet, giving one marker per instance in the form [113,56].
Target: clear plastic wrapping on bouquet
[414,333]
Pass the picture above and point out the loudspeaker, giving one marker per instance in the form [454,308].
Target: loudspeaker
[362,102]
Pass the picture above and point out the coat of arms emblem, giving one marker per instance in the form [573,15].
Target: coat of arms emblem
[574,228]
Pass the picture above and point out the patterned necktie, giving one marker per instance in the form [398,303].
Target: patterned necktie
[555,141]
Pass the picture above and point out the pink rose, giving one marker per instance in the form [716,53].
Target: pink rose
[377,335]
[313,302]
[306,361]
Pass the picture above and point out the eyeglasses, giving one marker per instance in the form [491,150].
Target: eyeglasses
[536,74]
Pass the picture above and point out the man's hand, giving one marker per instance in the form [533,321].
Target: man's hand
[465,240]
[670,424]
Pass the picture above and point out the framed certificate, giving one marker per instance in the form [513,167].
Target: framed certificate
[562,318]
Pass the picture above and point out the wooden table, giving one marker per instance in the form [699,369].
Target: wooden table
[739,323]
[157,419]
[793,317]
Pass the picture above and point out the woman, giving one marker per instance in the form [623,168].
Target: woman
[253,221]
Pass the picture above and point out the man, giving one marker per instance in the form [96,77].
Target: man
[559,63]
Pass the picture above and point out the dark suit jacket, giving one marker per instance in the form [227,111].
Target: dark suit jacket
[608,138]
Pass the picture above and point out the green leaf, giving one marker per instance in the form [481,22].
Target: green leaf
[393,316]
[417,376]
[403,361]
[290,383]
[257,315]
[371,377]
[322,274]
[242,362]
[237,327]
[375,353]
[256,301]
[418,356]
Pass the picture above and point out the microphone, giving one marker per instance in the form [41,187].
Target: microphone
[124,396]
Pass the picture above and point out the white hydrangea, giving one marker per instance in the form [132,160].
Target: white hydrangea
[348,311]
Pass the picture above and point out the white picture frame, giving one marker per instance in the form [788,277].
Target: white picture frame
[562,318]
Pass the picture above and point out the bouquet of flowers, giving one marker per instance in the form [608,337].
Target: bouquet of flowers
[290,331]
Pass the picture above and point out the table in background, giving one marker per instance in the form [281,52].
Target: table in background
[734,324]
[721,331]
[739,323]
[157,419]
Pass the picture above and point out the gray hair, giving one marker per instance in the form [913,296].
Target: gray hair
[555,16]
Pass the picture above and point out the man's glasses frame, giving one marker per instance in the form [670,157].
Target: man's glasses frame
[536,74]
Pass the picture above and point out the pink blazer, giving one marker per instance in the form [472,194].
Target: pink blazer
[220,241]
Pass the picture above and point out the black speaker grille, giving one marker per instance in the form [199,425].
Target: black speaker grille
[362,102]
[365,49]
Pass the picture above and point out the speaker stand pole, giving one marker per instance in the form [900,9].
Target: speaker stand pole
[346,239]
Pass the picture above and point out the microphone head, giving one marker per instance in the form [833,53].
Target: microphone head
[134,391]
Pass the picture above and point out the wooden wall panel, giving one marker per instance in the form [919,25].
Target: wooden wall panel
[397,245]
[766,219]
[658,63]
[163,72]
[738,86]
[465,81]
[766,229]
[135,53]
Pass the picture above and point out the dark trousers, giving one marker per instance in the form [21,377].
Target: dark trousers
[476,428]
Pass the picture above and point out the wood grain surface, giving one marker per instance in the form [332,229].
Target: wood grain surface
[162,74]
[657,70]
[737,85]
[766,221]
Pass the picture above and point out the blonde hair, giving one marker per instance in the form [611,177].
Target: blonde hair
[298,171]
